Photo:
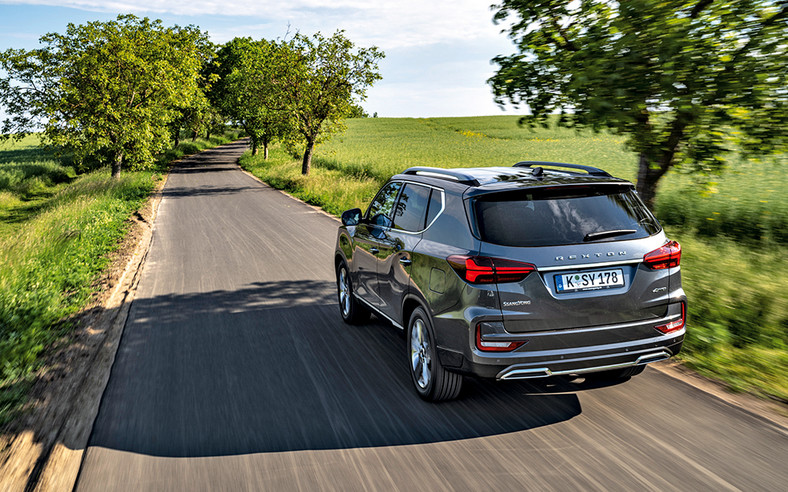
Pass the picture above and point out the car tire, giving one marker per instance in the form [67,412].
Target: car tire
[618,374]
[431,380]
[351,310]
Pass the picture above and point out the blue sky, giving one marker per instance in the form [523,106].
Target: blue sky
[437,52]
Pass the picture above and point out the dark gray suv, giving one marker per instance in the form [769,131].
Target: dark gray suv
[536,270]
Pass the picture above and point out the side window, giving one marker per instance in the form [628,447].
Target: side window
[435,206]
[379,212]
[411,208]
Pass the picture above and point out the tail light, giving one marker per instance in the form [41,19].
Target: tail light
[674,325]
[488,346]
[485,270]
[668,256]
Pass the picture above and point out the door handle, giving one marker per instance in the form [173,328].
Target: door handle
[374,251]
[405,261]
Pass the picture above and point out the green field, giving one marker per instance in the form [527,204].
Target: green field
[57,233]
[733,227]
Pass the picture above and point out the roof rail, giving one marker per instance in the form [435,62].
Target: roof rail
[449,174]
[593,171]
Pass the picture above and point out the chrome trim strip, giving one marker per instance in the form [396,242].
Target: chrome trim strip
[419,183]
[377,311]
[513,372]
[588,265]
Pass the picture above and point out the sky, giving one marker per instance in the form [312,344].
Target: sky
[438,52]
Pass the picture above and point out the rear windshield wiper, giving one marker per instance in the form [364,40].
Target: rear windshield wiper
[591,236]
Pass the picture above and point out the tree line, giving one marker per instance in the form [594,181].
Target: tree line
[119,92]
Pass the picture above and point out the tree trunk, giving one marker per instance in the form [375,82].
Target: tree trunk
[194,135]
[265,148]
[116,165]
[310,146]
[254,146]
[177,138]
[648,177]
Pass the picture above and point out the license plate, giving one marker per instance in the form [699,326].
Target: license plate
[571,282]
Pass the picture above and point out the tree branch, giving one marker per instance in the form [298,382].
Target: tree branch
[698,8]
[568,44]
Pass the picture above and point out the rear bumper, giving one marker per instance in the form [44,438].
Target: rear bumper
[557,352]
[586,365]
[525,365]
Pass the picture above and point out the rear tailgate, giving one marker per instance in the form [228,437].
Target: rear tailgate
[582,286]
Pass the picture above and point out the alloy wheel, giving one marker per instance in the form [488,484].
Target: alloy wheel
[343,285]
[421,363]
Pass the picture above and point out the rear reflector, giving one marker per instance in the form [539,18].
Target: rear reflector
[485,270]
[488,346]
[668,256]
[674,325]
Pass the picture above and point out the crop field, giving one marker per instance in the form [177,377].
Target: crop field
[57,233]
[733,227]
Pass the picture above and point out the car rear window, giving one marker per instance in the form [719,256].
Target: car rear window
[562,216]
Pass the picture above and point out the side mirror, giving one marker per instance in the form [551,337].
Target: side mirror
[351,217]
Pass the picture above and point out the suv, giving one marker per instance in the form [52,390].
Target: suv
[536,270]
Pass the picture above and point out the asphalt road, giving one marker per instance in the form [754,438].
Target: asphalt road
[235,372]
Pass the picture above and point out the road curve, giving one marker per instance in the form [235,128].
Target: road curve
[235,372]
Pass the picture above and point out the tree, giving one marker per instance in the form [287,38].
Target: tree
[197,117]
[105,89]
[325,81]
[685,80]
[247,89]
[356,111]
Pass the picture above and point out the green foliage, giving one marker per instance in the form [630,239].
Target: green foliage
[25,178]
[737,312]
[105,90]
[323,80]
[685,81]
[48,266]
[734,275]
[26,171]
[749,203]
[356,111]
[247,78]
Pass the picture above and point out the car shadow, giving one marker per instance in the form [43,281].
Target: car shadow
[272,368]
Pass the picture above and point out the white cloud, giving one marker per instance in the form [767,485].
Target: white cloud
[437,52]
[386,24]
